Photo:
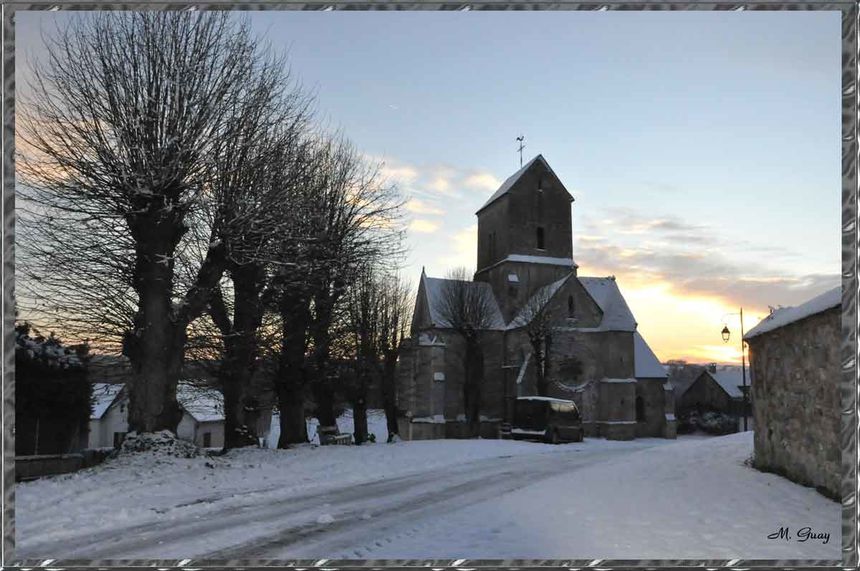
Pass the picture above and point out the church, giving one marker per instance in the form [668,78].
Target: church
[596,357]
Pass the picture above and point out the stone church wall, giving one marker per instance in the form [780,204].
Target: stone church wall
[795,397]
[431,379]
[653,395]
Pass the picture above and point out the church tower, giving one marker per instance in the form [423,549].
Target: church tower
[525,235]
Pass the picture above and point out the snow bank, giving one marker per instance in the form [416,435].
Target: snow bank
[692,499]
[162,443]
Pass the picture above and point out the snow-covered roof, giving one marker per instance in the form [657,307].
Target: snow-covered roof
[785,315]
[537,302]
[104,395]
[434,289]
[645,363]
[512,180]
[730,378]
[548,260]
[616,314]
[547,399]
[202,403]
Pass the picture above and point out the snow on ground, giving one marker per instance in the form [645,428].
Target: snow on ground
[147,488]
[647,498]
[693,499]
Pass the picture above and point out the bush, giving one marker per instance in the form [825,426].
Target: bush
[712,422]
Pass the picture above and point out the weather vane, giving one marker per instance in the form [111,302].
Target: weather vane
[521,138]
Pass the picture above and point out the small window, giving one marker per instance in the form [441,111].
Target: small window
[640,409]
[570,306]
[540,241]
[207,440]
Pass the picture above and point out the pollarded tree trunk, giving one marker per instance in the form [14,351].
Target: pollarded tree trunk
[359,418]
[240,357]
[389,393]
[472,385]
[291,380]
[359,402]
[156,346]
[323,382]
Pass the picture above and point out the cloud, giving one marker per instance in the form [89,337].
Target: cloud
[424,226]
[694,260]
[436,180]
[482,181]
[462,249]
[417,206]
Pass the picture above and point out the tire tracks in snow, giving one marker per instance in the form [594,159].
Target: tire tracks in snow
[288,526]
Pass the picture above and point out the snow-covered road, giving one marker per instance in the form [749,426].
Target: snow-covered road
[472,499]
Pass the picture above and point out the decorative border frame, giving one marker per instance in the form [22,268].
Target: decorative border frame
[850,436]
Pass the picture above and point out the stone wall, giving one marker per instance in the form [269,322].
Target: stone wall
[795,398]
[653,395]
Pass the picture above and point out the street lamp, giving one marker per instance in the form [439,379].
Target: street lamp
[726,334]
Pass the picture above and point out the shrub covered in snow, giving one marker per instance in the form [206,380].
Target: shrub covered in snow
[163,442]
[718,423]
[52,394]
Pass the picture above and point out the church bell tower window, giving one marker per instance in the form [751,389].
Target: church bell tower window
[540,238]
[570,306]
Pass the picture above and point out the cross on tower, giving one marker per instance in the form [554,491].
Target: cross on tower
[521,138]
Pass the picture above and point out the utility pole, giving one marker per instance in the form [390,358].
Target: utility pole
[521,138]
[744,371]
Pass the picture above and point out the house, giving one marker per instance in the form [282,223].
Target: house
[596,355]
[108,419]
[795,364]
[202,419]
[718,388]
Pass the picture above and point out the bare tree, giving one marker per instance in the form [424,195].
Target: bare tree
[349,217]
[395,319]
[133,116]
[538,319]
[378,310]
[468,308]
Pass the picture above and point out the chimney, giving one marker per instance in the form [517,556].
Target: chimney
[712,367]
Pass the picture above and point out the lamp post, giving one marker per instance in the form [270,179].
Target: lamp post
[726,334]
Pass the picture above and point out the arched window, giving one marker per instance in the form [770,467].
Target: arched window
[540,242]
[570,306]
[640,409]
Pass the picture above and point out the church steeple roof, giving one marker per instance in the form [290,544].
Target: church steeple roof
[512,180]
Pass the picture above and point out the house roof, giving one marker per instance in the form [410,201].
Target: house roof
[434,289]
[536,303]
[786,315]
[646,365]
[104,395]
[730,378]
[202,403]
[512,180]
[616,313]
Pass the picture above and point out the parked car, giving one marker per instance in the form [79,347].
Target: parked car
[548,419]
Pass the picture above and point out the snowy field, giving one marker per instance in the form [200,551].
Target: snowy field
[648,498]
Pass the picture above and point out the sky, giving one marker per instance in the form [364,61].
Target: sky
[702,148]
